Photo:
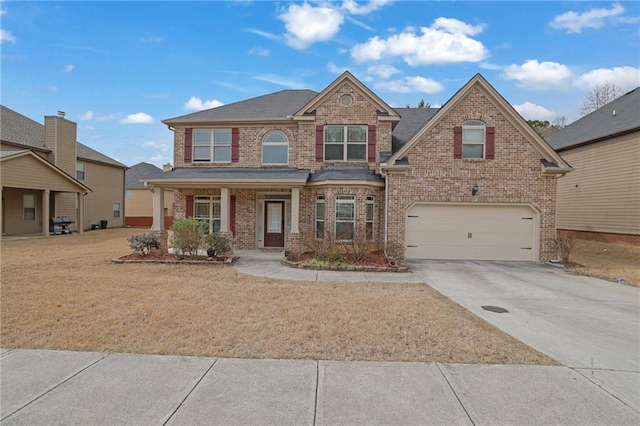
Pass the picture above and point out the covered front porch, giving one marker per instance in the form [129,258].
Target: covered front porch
[256,208]
[33,191]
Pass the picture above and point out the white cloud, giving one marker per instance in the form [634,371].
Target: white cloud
[137,118]
[259,51]
[410,85]
[7,36]
[446,41]
[196,104]
[87,116]
[90,115]
[162,146]
[262,34]
[68,68]
[595,18]
[281,81]
[3,12]
[490,66]
[534,112]
[334,69]
[383,71]
[306,24]
[626,77]
[552,75]
[539,75]
[359,9]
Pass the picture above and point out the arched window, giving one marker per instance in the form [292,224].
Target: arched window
[473,138]
[275,148]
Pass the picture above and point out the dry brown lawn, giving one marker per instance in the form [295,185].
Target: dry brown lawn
[64,292]
[609,261]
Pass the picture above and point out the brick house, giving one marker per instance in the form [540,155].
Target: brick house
[469,180]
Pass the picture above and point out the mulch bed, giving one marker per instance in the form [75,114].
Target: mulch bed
[173,258]
[373,262]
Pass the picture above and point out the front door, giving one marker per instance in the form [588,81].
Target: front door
[274,224]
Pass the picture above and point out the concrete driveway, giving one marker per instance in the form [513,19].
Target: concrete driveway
[587,324]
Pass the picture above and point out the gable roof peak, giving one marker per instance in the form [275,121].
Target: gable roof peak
[382,106]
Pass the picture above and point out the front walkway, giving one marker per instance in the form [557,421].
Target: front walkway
[267,264]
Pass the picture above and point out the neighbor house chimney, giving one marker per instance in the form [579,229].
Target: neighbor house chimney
[60,136]
[167,167]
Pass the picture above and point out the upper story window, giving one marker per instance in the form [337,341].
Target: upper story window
[116,209]
[345,143]
[473,138]
[212,145]
[275,148]
[80,171]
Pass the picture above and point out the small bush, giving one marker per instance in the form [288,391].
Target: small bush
[216,245]
[360,244]
[143,243]
[565,248]
[188,235]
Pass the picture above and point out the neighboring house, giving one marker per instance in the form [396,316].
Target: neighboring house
[46,173]
[470,180]
[601,199]
[138,207]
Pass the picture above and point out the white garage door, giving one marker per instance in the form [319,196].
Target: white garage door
[451,231]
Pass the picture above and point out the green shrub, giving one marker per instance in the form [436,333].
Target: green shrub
[188,235]
[143,243]
[216,245]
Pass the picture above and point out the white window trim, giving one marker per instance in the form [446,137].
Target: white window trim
[117,210]
[370,201]
[320,200]
[267,144]
[211,201]
[475,125]
[344,199]
[81,168]
[211,146]
[25,207]
[345,143]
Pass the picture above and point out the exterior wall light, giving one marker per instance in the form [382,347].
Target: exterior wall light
[474,189]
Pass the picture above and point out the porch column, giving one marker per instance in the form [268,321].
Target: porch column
[225,210]
[80,222]
[46,212]
[295,210]
[158,209]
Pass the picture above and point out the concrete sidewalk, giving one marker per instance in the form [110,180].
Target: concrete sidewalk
[61,387]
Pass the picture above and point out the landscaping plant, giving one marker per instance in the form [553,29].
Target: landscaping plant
[188,235]
[143,244]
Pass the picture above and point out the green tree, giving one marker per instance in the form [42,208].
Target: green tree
[539,126]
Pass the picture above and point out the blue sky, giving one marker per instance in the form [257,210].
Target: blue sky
[119,68]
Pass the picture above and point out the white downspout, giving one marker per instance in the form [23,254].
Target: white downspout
[386,209]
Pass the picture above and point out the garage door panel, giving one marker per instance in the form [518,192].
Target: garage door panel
[495,232]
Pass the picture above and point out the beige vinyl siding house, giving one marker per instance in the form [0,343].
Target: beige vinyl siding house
[297,168]
[60,190]
[601,198]
[139,198]
[25,197]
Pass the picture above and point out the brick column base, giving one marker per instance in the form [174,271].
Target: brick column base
[162,237]
[294,245]
[228,236]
